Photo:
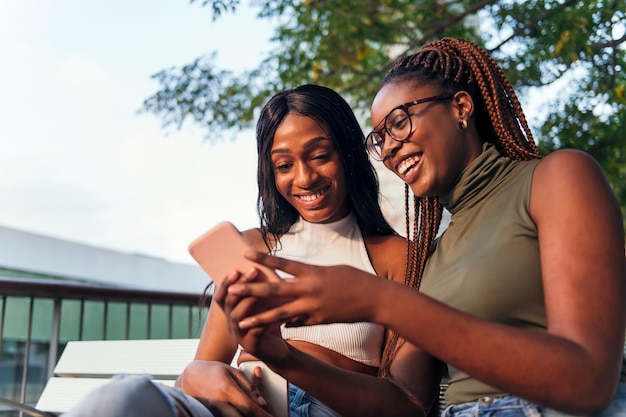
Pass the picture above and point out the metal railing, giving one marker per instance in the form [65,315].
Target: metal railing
[119,313]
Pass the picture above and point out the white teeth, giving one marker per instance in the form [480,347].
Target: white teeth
[404,166]
[311,197]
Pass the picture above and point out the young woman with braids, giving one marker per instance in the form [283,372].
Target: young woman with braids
[524,294]
[318,201]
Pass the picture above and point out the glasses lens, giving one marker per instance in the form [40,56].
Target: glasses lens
[398,124]
[374,145]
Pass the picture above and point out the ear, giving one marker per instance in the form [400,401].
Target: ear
[464,105]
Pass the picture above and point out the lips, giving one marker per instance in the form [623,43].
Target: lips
[311,198]
[406,164]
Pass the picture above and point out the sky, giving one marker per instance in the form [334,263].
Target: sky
[77,161]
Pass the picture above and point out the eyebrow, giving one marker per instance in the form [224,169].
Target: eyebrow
[309,144]
[379,126]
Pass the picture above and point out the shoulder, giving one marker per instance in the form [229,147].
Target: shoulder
[569,161]
[570,182]
[388,255]
[254,237]
[386,242]
[568,170]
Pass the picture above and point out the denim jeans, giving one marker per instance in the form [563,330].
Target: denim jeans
[508,406]
[137,396]
[301,404]
[140,396]
[511,406]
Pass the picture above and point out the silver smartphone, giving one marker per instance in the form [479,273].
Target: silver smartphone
[276,387]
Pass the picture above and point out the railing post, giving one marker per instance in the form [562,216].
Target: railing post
[170,330]
[149,324]
[189,327]
[105,320]
[127,320]
[53,349]
[81,319]
[2,318]
[27,352]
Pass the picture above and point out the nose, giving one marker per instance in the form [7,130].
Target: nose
[390,147]
[304,175]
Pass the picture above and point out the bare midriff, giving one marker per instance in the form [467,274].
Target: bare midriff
[323,354]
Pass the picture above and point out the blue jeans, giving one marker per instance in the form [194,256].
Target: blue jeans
[137,396]
[511,406]
[301,404]
[508,406]
[140,396]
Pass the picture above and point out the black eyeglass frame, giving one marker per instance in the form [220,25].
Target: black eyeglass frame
[375,148]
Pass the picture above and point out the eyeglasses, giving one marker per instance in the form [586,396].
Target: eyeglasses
[397,124]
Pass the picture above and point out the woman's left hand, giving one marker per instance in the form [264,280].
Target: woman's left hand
[264,342]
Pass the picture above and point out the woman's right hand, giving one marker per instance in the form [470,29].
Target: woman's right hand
[314,295]
[263,342]
[223,389]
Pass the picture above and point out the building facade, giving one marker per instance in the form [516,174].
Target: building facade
[53,291]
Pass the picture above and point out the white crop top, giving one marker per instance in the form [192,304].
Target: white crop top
[335,243]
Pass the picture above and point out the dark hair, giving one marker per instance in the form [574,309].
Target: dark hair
[330,110]
[453,65]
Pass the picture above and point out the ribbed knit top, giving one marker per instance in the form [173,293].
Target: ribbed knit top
[335,243]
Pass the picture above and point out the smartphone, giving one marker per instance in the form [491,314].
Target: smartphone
[220,250]
[276,389]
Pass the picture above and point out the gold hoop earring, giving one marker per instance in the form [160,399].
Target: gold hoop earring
[463,124]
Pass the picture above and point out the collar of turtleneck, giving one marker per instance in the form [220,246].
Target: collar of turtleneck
[474,182]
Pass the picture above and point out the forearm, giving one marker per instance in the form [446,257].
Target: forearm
[349,393]
[196,377]
[573,366]
[546,368]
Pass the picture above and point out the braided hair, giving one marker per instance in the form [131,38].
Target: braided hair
[453,65]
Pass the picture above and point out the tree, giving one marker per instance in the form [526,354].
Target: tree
[348,45]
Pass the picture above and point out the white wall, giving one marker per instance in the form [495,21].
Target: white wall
[31,252]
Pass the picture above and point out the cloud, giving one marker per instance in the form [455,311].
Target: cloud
[176,188]
[77,71]
[32,206]
[4,13]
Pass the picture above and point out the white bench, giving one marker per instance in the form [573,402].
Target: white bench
[86,365]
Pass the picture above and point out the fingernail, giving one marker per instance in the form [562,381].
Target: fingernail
[245,323]
[230,277]
[235,289]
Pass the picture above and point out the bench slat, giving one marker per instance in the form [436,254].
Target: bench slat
[162,358]
[63,393]
[86,365]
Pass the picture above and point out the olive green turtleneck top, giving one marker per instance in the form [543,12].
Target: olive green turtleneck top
[486,263]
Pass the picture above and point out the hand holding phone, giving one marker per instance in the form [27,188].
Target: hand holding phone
[220,251]
[275,388]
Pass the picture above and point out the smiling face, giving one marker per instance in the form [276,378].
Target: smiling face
[437,150]
[308,171]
